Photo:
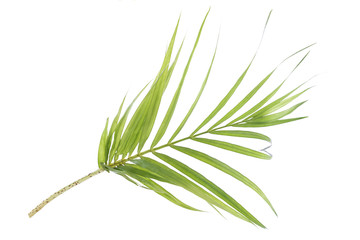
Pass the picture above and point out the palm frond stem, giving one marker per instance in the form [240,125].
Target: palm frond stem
[61,191]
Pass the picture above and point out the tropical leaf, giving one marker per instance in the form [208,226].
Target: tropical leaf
[153,172]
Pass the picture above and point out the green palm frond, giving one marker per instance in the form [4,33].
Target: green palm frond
[121,145]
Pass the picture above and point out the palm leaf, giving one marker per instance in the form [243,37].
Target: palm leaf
[119,142]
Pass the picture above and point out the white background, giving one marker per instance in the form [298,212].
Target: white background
[66,65]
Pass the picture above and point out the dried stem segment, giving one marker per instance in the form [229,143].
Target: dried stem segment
[61,191]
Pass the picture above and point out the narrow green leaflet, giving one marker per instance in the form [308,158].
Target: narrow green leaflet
[139,120]
[223,101]
[234,148]
[297,53]
[263,111]
[163,192]
[115,122]
[233,89]
[102,146]
[131,180]
[185,183]
[267,124]
[243,134]
[283,103]
[151,111]
[171,109]
[242,102]
[150,184]
[256,88]
[121,173]
[132,131]
[257,106]
[267,98]
[170,49]
[277,116]
[195,102]
[135,169]
[200,179]
[119,129]
[217,210]
[112,130]
[224,168]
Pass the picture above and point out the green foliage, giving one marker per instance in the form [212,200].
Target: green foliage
[116,150]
